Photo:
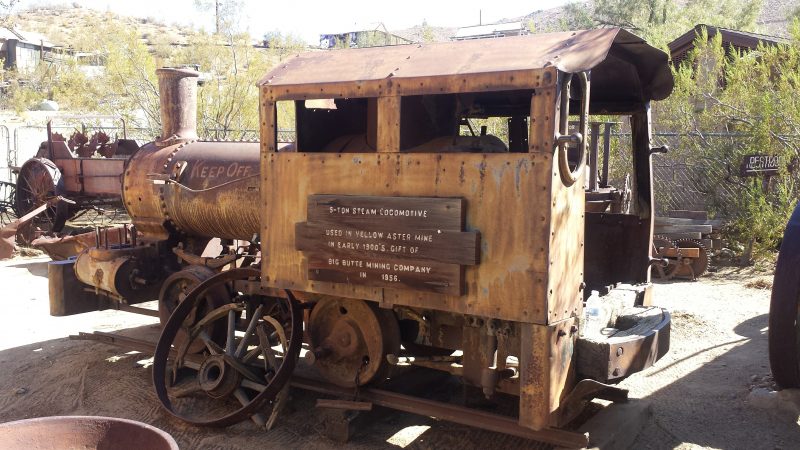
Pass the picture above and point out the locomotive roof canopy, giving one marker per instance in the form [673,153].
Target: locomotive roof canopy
[625,70]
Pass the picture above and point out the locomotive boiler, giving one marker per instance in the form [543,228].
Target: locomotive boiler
[432,212]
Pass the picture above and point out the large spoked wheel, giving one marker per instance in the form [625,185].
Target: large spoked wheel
[236,376]
[784,309]
[38,181]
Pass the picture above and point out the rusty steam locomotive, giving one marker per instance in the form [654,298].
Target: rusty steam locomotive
[396,231]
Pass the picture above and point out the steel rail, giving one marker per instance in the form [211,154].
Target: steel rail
[400,402]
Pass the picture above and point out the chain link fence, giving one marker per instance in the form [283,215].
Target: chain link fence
[5,149]
[22,143]
[685,181]
[679,182]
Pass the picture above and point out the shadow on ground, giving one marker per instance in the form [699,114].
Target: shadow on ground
[36,267]
[709,406]
[79,377]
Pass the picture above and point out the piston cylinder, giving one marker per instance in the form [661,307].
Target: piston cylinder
[118,271]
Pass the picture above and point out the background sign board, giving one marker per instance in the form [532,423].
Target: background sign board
[415,243]
[755,165]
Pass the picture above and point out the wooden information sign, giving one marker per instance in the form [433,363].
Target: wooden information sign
[415,243]
[759,165]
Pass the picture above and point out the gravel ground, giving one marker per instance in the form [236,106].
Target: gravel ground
[711,391]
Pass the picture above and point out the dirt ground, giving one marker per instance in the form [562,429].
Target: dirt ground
[711,391]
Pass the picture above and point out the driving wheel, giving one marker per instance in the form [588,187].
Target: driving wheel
[239,374]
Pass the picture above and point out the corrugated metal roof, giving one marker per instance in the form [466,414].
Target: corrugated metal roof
[25,36]
[624,62]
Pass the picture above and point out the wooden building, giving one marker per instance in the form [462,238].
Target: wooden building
[25,50]
[731,39]
[373,35]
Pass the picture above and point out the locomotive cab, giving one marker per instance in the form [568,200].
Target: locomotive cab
[436,193]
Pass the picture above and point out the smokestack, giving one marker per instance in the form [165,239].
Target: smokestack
[177,90]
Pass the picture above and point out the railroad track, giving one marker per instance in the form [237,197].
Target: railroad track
[388,399]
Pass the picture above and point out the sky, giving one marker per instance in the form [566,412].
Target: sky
[309,18]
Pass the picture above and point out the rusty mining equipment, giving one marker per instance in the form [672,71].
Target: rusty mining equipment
[68,168]
[398,232]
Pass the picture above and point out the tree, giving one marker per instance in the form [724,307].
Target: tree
[732,105]
[426,33]
[5,9]
[280,45]
[226,13]
[660,21]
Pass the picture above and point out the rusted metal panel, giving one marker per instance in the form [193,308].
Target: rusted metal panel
[214,190]
[624,67]
[510,281]
[92,176]
[547,372]
[141,197]
[268,131]
[564,215]
[203,188]
[389,120]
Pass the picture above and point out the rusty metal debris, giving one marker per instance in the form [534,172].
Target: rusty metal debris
[64,247]
[8,234]
[685,258]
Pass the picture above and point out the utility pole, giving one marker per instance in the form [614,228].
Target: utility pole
[216,13]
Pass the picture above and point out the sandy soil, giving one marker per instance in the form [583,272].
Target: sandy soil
[701,391]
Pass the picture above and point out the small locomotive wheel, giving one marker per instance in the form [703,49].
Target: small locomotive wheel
[235,377]
[353,338]
[175,289]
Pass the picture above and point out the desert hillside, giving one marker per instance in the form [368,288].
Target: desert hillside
[71,26]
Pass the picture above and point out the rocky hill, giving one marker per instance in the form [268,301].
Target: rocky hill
[69,25]
[772,21]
